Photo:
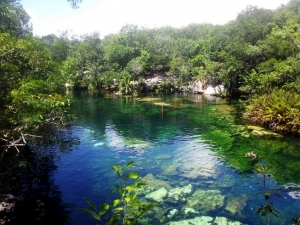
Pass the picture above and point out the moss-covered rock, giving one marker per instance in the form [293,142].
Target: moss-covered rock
[206,200]
[236,205]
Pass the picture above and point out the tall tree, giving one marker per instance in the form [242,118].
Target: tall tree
[13,18]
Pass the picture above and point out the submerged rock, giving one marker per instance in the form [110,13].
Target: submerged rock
[177,195]
[172,213]
[206,200]
[236,205]
[260,131]
[201,220]
[189,211]
[225,221]
[169,168]
[155,184]
[205,220]
[157,195]
[226,181]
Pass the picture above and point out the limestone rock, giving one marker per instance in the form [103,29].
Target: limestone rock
[178,194]
[236,205]
[172,213]
[154,183]
[157,195]
[225,221]
[189,211]
[206,200]
[201,220]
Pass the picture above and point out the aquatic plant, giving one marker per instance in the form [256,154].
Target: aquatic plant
[127,208]
[267,209]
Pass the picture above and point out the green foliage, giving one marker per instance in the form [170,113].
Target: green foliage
[125,83]
[127,208]
[267,209]
[14,19]
[165,86]
[278,109]
[33,105]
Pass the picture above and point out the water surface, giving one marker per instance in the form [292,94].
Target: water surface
[196,139]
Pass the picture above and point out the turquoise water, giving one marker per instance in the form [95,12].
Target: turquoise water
[195,140]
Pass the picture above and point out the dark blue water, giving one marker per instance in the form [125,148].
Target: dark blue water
[196,139]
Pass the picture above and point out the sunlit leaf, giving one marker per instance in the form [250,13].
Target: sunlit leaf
[115,168]
[133,175]
[130,188]
[103,209]
[130,164]
[116,202]
[118,209]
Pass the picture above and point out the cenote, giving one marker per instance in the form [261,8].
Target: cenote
[192,141]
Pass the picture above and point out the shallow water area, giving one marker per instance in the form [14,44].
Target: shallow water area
[186,142]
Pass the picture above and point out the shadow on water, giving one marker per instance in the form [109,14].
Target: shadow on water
[29,179]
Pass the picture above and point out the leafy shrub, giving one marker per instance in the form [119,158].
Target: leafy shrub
[277,109]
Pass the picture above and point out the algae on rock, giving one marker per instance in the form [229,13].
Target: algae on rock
[206,200]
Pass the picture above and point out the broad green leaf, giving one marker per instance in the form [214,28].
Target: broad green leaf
[118,209]
[103,209]
[92,213]
[130,164]
[127,199]
[130,188]
[134,196]
[115,168]
[133,175]
[116,202]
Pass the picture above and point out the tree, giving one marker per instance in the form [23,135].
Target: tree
[14,19]
[75,3]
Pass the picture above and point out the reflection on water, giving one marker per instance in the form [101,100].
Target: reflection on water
[191,142]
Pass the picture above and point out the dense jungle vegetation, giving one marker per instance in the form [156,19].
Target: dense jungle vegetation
[257,55]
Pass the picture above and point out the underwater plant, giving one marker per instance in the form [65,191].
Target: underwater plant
[267,209]
[126,209]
